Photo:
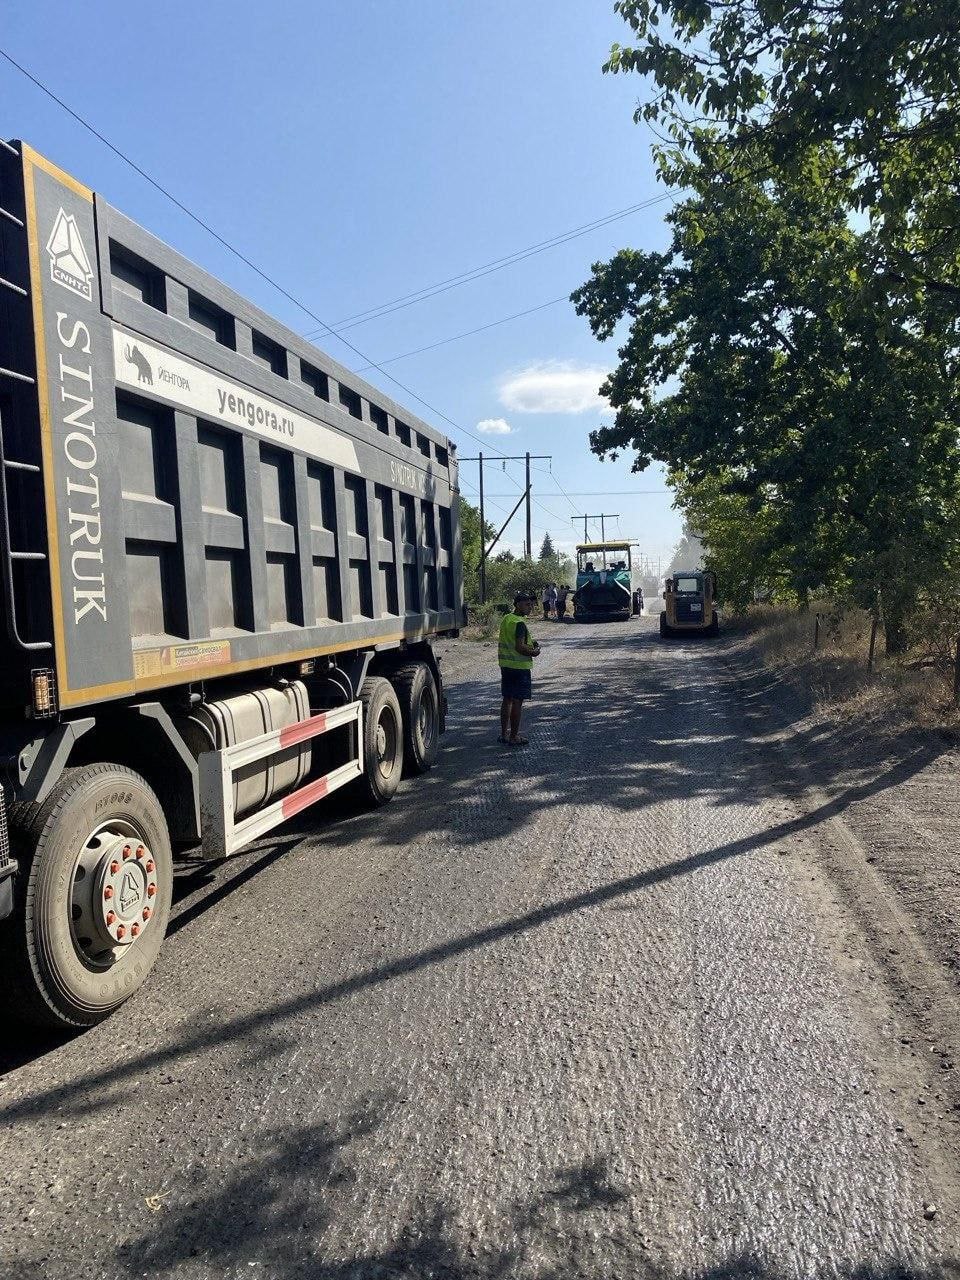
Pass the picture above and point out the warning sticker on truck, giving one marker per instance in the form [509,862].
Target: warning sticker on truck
[142,366]
[173,659]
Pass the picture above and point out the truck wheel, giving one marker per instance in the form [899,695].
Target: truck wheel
[382,757]
[665,631]
[416,691]
[94,898]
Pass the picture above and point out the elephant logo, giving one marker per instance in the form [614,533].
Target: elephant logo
[136,357]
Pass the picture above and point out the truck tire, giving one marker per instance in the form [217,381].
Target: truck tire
[416,691]
[382,755]
[93,898]
[665,631]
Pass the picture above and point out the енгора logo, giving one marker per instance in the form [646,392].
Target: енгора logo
[69,264]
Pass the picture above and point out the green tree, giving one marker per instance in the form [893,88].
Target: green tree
[793,355]
[472,541]
[743,541]
[765,350]
[875,85]
[546,548]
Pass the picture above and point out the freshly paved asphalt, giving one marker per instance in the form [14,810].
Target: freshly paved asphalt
[571,1011]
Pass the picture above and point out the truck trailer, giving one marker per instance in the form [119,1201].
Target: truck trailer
[224,559]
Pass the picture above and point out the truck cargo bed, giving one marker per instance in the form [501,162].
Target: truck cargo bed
[192,490]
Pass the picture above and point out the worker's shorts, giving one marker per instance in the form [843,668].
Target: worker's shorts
[515,684]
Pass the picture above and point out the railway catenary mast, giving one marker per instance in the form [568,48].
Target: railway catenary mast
[223,560]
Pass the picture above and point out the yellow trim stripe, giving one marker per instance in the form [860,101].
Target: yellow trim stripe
[220,670]
[41,162]
[46,430]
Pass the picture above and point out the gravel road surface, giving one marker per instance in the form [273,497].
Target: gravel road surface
[589,1009]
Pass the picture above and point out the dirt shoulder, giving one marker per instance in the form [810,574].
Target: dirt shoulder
[877,801]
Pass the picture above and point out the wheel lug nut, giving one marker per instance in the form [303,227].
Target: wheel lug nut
[151,890]
[108,893]
[146,913]
[110,917]
[134,930]
[140,851]
[114,868]
[149,865]
[121,931]
[127,851]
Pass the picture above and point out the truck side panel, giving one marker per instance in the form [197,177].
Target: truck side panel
[219,495]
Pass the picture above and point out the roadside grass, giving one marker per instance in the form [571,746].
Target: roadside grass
[915,688]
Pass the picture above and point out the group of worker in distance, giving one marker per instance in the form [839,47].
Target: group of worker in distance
[554,601]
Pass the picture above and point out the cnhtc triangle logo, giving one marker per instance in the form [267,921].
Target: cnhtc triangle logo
[69,264]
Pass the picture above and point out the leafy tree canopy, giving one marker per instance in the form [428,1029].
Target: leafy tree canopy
[793,355]
[878,81]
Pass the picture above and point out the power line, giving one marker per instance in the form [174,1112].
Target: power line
[470,332]
[302,306]
[497,264]
[599,493]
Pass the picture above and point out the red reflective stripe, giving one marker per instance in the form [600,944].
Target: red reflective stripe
[304,729]
[304,797]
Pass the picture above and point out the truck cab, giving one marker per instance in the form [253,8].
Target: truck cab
[689,604]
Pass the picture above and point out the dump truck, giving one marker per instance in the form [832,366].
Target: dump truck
[224,559]
[689,599]
[604,583]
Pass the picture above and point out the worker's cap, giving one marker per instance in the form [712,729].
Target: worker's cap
[523,597]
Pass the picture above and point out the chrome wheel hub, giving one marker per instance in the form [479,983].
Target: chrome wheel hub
[114,887]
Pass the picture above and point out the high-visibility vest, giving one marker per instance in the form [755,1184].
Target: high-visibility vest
[507,653]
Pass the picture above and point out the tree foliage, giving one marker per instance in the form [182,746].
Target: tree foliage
[546,548]
[506,573]
[793,355]
[472,540]
[877,81]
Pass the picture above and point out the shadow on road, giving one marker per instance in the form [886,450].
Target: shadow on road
[660,732]
[274,1212]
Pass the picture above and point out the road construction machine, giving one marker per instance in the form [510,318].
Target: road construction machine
[604,584]
[689,604]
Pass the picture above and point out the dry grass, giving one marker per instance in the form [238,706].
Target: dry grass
[914,689]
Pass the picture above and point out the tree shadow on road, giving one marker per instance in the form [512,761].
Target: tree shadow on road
[661,732]
[288,1211]
[658,756]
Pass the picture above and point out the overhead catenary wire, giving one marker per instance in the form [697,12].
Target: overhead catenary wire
[307,310]
[432,346]
[487,268]
[231,248]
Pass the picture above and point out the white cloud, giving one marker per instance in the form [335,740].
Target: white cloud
[495,427]
[556,386]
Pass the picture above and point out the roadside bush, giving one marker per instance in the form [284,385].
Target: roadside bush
[483,620]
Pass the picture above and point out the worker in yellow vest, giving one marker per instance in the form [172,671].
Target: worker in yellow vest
[515,653]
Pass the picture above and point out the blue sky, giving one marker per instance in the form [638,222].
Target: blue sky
[359,152]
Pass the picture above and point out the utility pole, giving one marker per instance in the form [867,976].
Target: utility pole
[525,458]
[603,517]
[529,537]
[483,538]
